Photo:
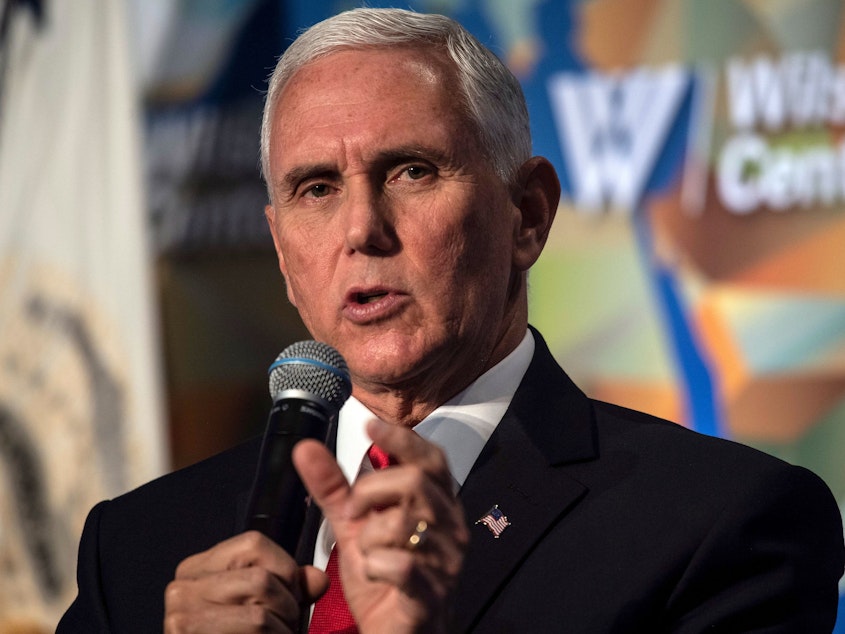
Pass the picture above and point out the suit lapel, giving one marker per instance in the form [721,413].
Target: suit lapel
[548,424]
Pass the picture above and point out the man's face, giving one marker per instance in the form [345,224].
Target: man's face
[394,235]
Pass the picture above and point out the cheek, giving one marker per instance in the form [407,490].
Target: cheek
[305,271]
[303,277]
[486,263]
[462,264]
[441,251]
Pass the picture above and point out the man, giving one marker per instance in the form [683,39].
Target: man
[406,210]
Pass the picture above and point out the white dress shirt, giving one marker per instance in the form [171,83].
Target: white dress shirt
[461,427]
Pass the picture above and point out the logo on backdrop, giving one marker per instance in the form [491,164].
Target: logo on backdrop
[612,129]
[777,149]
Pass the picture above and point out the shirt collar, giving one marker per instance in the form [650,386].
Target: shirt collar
[461,426]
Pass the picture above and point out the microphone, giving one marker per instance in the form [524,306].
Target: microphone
[309,382]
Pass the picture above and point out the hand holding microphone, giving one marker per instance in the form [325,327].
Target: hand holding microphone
[251,582]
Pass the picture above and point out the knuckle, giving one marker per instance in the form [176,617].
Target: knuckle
[174,593]
[391,523]
[258,618]
[404,568]
[251,551]
[416,478]
[176,622]
[261,579]
[182,568]
[252,540]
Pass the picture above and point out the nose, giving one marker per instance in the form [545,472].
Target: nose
[368,224]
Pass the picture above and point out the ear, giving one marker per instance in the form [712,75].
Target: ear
[536,197]
[270,215]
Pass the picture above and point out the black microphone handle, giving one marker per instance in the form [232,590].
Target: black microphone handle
[279,500]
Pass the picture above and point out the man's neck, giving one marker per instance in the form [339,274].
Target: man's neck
[410,403]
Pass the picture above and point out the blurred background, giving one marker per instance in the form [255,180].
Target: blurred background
[696,269]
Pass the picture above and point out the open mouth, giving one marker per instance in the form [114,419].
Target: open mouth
[369,298]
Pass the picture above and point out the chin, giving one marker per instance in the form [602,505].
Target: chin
[381,364]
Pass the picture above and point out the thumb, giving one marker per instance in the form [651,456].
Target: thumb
[323,478]
[313,583]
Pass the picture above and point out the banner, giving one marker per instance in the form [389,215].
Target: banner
[80,403]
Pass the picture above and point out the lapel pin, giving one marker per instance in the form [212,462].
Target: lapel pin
[495,520]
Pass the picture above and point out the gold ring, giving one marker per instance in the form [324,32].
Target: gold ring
[418,537]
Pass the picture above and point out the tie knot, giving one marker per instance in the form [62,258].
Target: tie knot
[379,458]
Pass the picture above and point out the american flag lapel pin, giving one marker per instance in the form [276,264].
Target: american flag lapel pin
[495,521]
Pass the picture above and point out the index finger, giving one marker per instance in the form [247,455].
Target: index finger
[408,447]
[241,551]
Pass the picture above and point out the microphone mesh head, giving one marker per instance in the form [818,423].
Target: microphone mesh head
[313,367]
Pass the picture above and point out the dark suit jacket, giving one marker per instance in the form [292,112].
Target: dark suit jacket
[620,522]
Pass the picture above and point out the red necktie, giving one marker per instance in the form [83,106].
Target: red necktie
[331,614]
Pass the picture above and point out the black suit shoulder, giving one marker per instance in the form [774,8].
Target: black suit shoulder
[768,534]
[204,494]
[132,544]
[701,465]
[624,522]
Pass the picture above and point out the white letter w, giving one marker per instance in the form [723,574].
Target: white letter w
[612,129]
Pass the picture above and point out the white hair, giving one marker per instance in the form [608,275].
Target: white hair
[489,94]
